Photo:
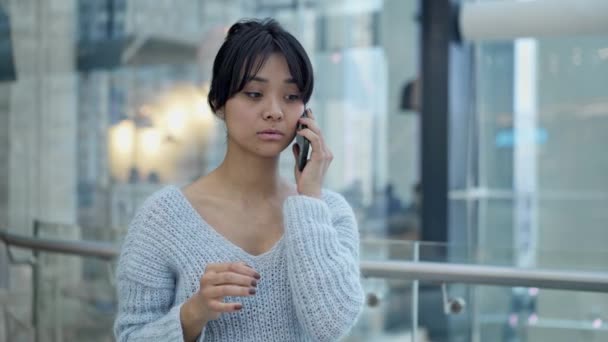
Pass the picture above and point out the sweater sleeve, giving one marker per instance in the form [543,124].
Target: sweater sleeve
[146,287]
[323,264]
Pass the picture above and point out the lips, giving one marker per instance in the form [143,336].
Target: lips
[270,135]
[271,131]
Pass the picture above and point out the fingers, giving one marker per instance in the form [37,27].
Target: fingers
[230,278]
[221,291]
[227,280]
[224,280]
[319,150]
[233,279]
[317,136]
[312,125]
[236,267]
[219,306]
[312,132]
[310,114]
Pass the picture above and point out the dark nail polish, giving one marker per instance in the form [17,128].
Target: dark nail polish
[257,276]
[238,307]
[252,291]
[254,283]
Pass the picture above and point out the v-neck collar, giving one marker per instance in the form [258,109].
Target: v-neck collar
[204,225]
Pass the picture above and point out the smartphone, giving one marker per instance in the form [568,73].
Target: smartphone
[304,145]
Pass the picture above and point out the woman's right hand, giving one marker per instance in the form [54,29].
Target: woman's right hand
[207,304]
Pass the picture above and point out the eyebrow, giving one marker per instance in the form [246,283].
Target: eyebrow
[260,79]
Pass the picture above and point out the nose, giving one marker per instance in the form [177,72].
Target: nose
[273,115]
[273,111]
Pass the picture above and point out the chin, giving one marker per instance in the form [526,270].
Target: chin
[270,151]
[268,154]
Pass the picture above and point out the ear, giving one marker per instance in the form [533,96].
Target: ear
[220,113]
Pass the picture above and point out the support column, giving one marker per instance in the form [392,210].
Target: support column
[42,156]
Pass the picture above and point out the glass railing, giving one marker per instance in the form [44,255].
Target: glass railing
[412,310]
[489,313]
[75,300]
[72,297]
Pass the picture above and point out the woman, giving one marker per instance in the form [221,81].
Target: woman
[241,254]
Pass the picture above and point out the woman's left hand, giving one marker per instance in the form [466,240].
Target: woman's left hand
[310,180]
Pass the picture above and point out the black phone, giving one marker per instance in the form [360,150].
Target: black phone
[304,145]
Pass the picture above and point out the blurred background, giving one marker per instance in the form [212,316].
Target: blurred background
[500,140]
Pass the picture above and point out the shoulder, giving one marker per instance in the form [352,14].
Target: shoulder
[161,199]
[147,247]
[154,221]
[159,207]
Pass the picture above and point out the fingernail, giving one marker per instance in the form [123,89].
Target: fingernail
[238,307]
[257,276]
[254,283]
[248,265]
[252,291]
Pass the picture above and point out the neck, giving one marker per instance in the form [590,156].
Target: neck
[249,177]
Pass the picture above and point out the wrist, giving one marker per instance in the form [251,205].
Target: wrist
[315,193]
[192,318]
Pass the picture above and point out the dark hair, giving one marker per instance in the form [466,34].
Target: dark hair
[247,46]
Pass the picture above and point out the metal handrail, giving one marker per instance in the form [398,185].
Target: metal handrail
[487,275]
[103,250]
[415,270]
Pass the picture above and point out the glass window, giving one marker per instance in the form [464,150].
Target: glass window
[108,106]
[134,103]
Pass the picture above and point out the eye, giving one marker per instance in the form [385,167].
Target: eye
[293,97]
[253,94]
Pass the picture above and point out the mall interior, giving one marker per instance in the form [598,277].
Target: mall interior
[466,134]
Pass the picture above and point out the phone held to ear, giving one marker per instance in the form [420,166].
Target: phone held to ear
[304,145]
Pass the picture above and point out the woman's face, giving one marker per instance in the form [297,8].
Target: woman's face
[262,118]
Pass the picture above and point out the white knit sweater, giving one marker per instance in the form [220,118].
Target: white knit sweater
[309,289]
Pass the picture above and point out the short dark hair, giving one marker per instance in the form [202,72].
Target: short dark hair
[247,46]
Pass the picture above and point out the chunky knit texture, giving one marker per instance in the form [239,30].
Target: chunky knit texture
[309,290]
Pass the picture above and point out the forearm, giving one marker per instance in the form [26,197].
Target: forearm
[323,267]
[324,274]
